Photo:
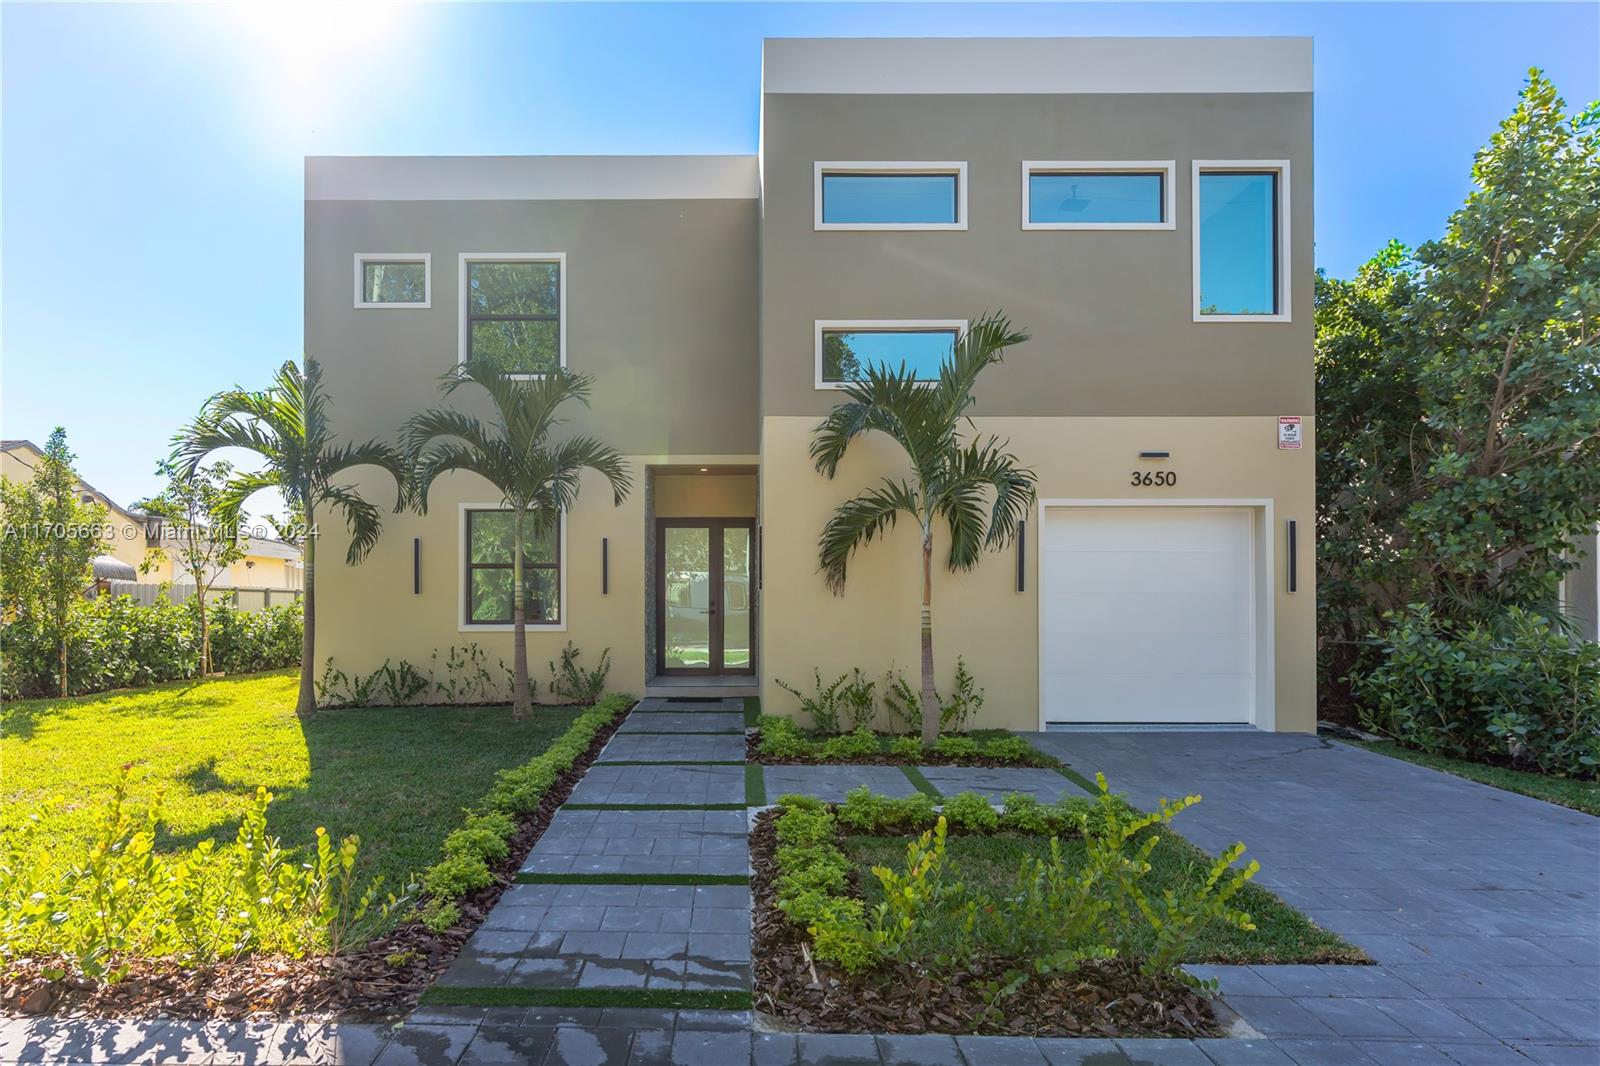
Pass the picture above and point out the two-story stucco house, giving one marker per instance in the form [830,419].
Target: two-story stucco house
[1142,207]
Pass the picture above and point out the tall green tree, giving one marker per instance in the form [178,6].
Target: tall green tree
[287,426]
[537,478]
[969,485]
[50,539]
[1458,392]
[194,535]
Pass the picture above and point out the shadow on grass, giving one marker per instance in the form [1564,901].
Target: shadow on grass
[20,719]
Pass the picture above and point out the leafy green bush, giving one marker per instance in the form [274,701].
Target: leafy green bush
[1023,813]
[904,702]
[864,811]
[972,812]
[119,643]
[1006,749]
[1517,690]
[781,739]
[861,744]
[122,901]
[908,749]
[956,747]
[571,683]
[802,827]
[823,707]
[456,875]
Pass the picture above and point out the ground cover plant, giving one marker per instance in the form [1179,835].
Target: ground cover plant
[777,740]
[1067,919]
[133,919]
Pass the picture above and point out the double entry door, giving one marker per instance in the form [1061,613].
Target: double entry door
[704,595]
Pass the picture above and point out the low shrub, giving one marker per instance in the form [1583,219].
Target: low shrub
[781,739]
[121,901]
[1516,690]
[906,748]
[1006,749]
[471,852]
[971,812]
[956,747]
[1023,813]
[861,744]
[903,701]
[864,811]
[571,683]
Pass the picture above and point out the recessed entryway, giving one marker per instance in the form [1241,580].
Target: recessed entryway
[703,595]
[1150,614]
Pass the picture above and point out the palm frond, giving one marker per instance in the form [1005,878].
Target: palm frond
[362,519]
[239,488]
[446,455]
[859,521]
[589,453]
[981,346]
[371,453]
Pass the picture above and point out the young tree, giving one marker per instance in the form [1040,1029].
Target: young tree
[975,488]
[537,478]
[287,425]
[1458,390]
[50,540]
[194,536]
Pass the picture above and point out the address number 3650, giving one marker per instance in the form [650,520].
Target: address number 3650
[1147,478]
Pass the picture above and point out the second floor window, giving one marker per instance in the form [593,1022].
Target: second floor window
[392,280]
[1241,243]
[846,349]
[513,310]
[891,196]
[1097,195]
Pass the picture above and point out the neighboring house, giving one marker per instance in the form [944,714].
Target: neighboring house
[1141,206]
[131,534]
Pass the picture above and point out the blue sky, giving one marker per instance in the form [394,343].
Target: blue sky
[151,156]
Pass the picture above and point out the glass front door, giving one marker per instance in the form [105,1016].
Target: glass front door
[705,596]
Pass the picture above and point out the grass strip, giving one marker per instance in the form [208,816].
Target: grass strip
[684,733]
[921,784]
[752,711]
[652,806]
[657,998]
[632,879]
[669,762]
[1563,791]
[755,785]
[1077,779]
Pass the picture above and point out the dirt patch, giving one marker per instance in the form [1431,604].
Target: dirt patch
[1102,1000]
[382,979]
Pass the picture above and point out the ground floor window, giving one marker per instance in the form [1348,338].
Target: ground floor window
[489,558]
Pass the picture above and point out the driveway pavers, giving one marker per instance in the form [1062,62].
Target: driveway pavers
[684,722]
[660,784]
[995,783]
[832,782]
[646,747]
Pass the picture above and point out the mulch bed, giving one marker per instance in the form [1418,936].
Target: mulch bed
[752,752]
[1101,1000]
[360,985]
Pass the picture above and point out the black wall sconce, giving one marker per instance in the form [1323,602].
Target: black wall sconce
[1294,571]
[416,566]
[605,566]
[1022,555]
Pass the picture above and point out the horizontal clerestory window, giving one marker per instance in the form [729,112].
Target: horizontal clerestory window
[891,196]
[394,280]
[1107,195]
[845,350]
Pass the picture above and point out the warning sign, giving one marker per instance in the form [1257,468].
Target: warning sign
[1288,431]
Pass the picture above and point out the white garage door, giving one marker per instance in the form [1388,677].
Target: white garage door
[1147,614]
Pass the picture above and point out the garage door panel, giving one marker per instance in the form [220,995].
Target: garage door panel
[1147,614]
[1109,529]
[1144,698]
[1183,611]
[1156,655]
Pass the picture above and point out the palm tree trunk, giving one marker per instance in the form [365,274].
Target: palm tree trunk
[63,662]
[521,703]
[930,702]
[307,703]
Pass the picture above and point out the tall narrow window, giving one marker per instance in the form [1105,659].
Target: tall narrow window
[488,578]
[846,350]
[1240,243]
[512,310]
[891,196]
[1116,195]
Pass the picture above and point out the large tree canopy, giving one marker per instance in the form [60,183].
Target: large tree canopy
[1458,391]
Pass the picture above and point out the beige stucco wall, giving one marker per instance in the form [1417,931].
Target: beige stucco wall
[367,613]
[980,614]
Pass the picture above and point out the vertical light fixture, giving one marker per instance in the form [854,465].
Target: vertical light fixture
[416,566]
[1022,555]
[1294,572]
[605,566]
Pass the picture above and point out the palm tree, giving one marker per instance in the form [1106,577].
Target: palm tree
[975,487]
[537,480]
[287,425]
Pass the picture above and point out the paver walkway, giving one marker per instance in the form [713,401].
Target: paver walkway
[1481,909]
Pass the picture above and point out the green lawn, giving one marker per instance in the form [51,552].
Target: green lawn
[989,864]
[1566,791]
[398,778]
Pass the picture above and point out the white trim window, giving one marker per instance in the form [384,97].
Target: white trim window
[1098,195]
[483,573]
[846,347]
[394,279]
[890,196]
[513,309]
[1241,240]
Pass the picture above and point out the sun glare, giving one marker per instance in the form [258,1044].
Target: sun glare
[302,39]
